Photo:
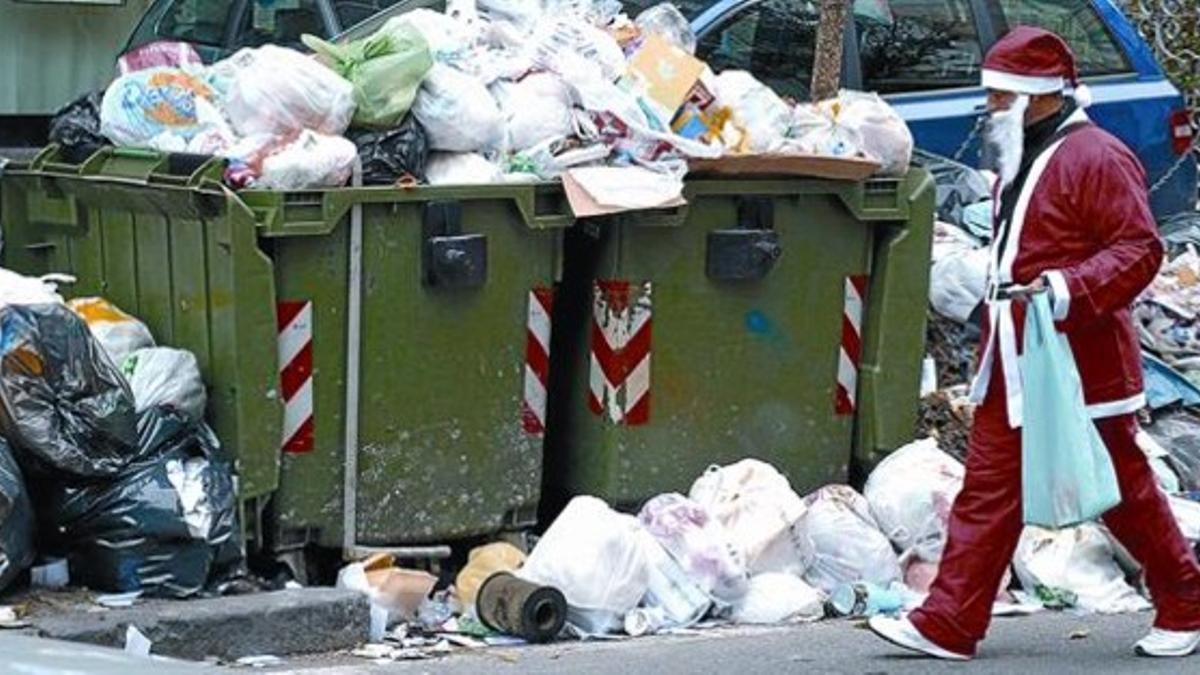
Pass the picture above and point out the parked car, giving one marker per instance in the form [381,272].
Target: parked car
[923,56]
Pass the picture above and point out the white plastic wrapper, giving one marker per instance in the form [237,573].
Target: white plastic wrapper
[117,332]
[17,289]
[1079,560]
[756,108]
[776,597]
[757,506]
[910,495]
[449,39]
[520,12]
[278,91]
[313,160]
[666,20]
[958,277]
[458,112]
[576,50]
[535,109]
[885,136]
[842,542]
[698,542]
[165,109]
[597,558]
[161,377]
[462,168]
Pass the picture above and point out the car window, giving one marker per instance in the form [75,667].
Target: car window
[1096,52]
[199,21]
[281,22]
[917,45]
[773,39]
[350,13]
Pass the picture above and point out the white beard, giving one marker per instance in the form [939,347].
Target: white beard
[1005,131]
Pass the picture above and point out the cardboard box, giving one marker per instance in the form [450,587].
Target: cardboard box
[665,73]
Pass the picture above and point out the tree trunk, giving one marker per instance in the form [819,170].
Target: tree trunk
[827,69]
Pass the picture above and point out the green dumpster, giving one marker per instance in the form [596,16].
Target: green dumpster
[776,319]
[376,356]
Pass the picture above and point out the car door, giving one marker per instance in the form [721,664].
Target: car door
[924,58]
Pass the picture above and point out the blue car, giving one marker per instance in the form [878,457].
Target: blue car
[923,56]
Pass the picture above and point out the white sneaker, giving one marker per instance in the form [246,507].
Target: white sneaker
[1168,643]
[902,633]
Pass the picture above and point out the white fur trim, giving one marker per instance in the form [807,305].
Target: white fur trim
[1021,84]
[1099,411]
[1082,95]
[1062,296]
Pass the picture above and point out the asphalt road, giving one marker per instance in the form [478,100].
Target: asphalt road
[1047,643]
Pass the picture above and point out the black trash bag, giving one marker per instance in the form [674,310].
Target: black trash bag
[1178,432]
[16,519]
[388,156]
[958,185]
[64,407]
[1180,231]
[76,128]
[167,526]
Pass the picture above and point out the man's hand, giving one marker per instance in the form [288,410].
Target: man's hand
[1026,293]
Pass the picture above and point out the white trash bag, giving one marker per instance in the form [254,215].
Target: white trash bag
[117,332]
[458,112]
[278,91]
[910,494]
[698,542]
[313,160]
[1079,560]
[756,108]
[775,597]
[598,559]
[757,506]
[885,136]
[17,289]
[462,168]
[536,108]
[958,281]
[161,377]
[841,541]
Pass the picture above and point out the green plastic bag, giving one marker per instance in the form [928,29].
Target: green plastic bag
[1067,475]
[386,70]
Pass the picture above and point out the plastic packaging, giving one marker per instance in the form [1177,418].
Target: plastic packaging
[673,591]
[666,20]
[458,112]
[576,50]
[16,519]
[158,54]
[166,378]
[164,109]
[756,108]
[167,525]
[757,507]
[698,542]
[884,135]
[1179,433]
[313,160]
[388,156]
[775,597]
[958,279]
[1075,562]
[841,542]
[536,108]
[910,495]
[278,91]
[76,128]
[119,333]
[861,599]
[386,70]
[597,558]
[449,40]
[520,12]
[64,407]
[1067,474]
[462,168]
[958,186]
[17,289]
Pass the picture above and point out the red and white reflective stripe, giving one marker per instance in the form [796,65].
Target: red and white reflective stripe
[537,361]
[296,373]
[850,353]
[620,354]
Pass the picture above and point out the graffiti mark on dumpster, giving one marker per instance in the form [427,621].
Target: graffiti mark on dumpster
[620,353]
[850,354]
[537,361]
[296,373]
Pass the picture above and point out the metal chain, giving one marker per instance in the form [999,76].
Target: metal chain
[962,149]
[1186,157]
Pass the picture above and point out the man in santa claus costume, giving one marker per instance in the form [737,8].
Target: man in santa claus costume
[1073,220]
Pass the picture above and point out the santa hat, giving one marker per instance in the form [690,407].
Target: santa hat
[1033,61]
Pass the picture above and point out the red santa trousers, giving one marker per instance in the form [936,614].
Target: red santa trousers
[985,524]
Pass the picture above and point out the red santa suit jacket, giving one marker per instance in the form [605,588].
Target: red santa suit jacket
[1082,219]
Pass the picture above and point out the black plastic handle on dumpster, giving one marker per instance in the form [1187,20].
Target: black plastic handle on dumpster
[451,259]
[748,252]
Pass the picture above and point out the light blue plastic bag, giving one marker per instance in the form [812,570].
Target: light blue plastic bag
[1067,475]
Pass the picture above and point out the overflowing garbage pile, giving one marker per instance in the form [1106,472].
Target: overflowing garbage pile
[109,475]
[490,91]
